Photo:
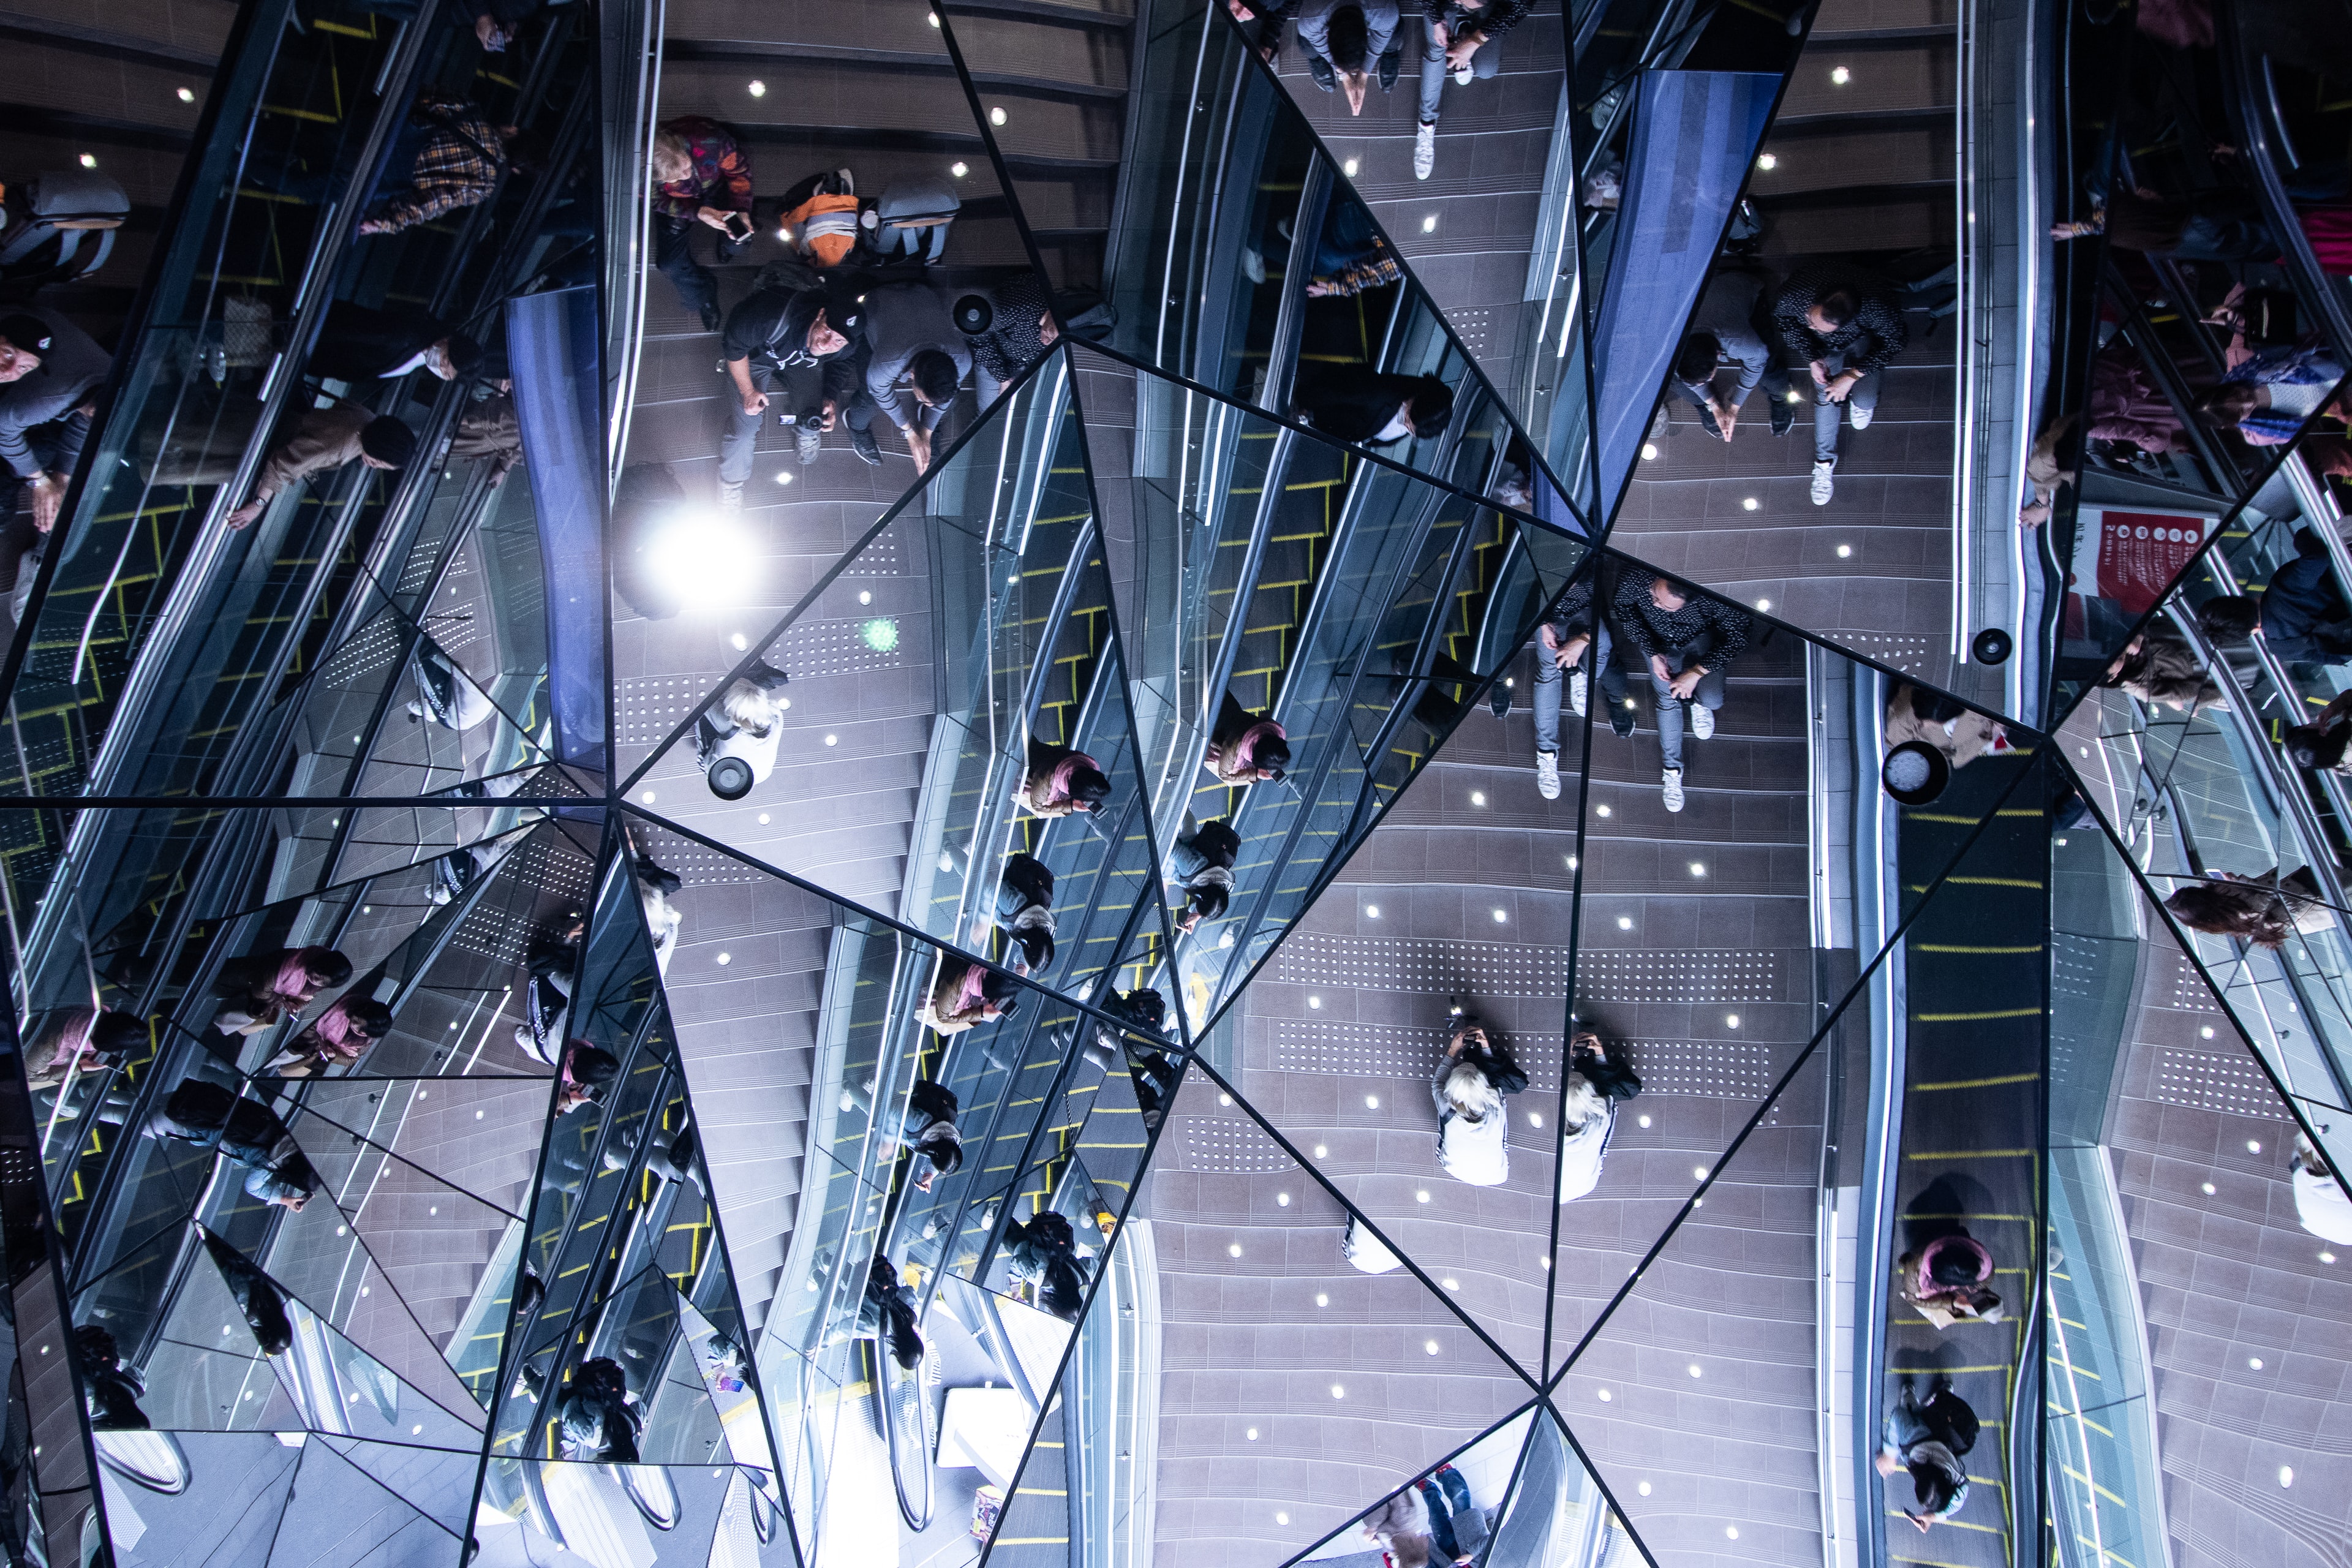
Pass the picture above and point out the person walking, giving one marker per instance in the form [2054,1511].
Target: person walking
[1201,863]
[1687,638]
[1844,327]
[1025,911]
[1399,1527]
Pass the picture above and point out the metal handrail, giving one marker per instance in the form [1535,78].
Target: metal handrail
[2244,95]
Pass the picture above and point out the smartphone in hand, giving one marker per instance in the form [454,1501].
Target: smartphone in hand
[738,226]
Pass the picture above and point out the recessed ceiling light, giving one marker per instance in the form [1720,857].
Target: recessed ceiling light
[1322,1300]
[1422,1196]
[1602,810]
[1372,911]
[959,168]
[1650,448]
[996,115]
[1349,168]
[1748,503]
[1644,1488]
[833,740]
[1604,1395]
[1430,1345]
[89,161]
[1698,1173]
[1429,224]
[1731,1020]
[1698,867]
[725,959]
[1763,603]
[1844,550]
[1695,1370]
[1478,797]
[1371,1102]
[1251,1433]
[2208,1189]
[1841,76]
[1322,1151]
[1500,917]
[1315,1001]
[1281,1200]
[187,95]
[1768,160]
[1234,1249]
[1224,1099]
[1624,923]
[758,89]
[2255,1361]
[1451,1284]
[1646,1119]
[647,797]
[1338,1390]
[1535,1119]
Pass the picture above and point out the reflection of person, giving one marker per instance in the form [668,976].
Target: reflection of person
[2322,742]
[1597,1080]
[777,330]
[587,1072]
[928,1129]
[1245,746]
[324,440]
[700,177]
[1687,638]
[1059,780]
[1845,328]
[263,1305]
[263,987]
[447,158]
[110,1389]
[918,359]
[1024,910]
[445,695]
[1723,334]
[2263,911]
[50,375]
[964,994]
[2319,1200]
[593,1421]
[342,1033]
[1020,328]
[1045,1253]
[1475,1072]
[735,742]
[1456,1528]
[1929,1441]
[211,1116]
[1950,1280]
[1200,863]
[1399,1527]
[1342,38]
[82,1040]
[1916,713]
[1462,38]
[1373,407]
[2304,618]
[889,1309]
[359,344]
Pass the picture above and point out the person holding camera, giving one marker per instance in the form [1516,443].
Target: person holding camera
[700,177]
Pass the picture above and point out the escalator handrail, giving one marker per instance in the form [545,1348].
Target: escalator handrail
[2254,130]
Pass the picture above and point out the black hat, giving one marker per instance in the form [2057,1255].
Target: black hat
[973,315]
[25,331]
[731,778]
[387,440]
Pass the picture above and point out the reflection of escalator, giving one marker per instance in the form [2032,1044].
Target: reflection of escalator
[903,1411]
[1974,976]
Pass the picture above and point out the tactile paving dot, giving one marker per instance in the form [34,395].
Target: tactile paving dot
[1227,1147]
[1719,1069]
[1349,1049]
[2190,991]
[2203,1080]
[1431,966]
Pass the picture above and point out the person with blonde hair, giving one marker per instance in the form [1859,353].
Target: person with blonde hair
[1596,1082]
[700,177]
[1474,1071]
[736,741]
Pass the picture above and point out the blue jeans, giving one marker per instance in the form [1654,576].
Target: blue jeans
[1826,414]
[1482,65]
[1549,676]
[1708,695]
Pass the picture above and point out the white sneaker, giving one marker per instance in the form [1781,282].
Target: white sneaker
[1462,77]
[1547,775]
[1824,482]
[1424,152]
[1576,691]
[1857,415]
[730,496]
[1702,720]
[1673,789]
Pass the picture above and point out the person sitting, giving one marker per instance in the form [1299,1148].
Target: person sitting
[50,372]
[1475,1073]
[964,994]
[1025,910]
[110,1389]
[1948,1281]
[702,176]
[1596,1082]
[1370,407]
[358,344]
[594,1423]
[1342,38]
[259,990]
[1928,1442]
[324,440]
[340,1033]
[737,738]
[918,359]
[1246,747]
[1201,862]
[2262,910]
[447,158]
[1060,780]
[1723,334]
[1843,327]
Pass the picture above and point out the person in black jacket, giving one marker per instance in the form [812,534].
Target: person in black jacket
[1373,409]
[777,330]
[1844,327]
[213,1116]
[888,1312]
[1024,909]
[1044,1252]
[1686,638]
[359,344]
[1020,328]
[593,1420]
[928,1131]
[110,1389]
[1929,1441]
